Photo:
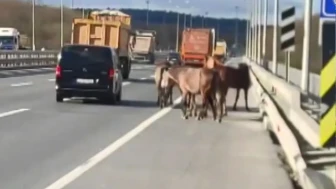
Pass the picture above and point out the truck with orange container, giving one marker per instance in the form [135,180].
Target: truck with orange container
[106,28]
[197,44]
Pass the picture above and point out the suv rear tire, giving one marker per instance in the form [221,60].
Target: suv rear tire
[119,95]
[59,98]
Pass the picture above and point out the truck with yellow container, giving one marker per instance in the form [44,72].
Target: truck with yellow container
[106,28]
[220,50]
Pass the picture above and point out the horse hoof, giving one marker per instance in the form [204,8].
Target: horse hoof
[247,109]
[219,120]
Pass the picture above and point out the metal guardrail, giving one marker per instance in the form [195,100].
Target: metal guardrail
[277,96]
[12,60]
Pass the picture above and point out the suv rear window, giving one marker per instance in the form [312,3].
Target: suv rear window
[85,54]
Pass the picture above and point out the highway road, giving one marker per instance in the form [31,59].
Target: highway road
[131,145]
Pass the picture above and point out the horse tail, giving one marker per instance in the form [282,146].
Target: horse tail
[162,69]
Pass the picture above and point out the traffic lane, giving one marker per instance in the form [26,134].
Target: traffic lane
[42,144]
[29,95]
[136,73]
[177,153]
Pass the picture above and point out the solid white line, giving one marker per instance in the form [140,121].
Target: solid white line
[51,79]
[143,78]
[13,112]
[78,171]
[152,76]
[21,84]
[126,83]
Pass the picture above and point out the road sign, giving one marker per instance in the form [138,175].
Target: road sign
[288,30]
[328,9]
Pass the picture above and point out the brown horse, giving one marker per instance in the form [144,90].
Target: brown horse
[159,70]
[194,81]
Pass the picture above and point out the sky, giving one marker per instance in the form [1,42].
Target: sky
[216,8]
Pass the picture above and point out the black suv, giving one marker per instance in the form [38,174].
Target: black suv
[174,58]
[88,71]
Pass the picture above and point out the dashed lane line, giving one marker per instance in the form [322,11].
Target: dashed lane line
[5,114]
[21,84]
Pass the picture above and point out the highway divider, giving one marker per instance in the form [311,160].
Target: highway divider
[13,60]
[279,105]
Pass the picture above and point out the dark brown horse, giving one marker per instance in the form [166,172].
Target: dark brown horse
[237,78]
[194,81]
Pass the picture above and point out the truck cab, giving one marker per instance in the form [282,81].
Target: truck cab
[9,39]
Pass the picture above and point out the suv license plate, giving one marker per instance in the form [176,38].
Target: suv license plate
[85,81]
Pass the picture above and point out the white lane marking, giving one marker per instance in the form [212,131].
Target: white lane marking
[152,76]
[126,83]
[13,112]
[21,84]
[51,79]
[78,171]
[143,78]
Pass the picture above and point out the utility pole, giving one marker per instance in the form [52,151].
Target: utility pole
[62,22]
[177,30]
[147,2]
[236,32]
[33,25]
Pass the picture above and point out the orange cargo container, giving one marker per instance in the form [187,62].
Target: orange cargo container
[196,45]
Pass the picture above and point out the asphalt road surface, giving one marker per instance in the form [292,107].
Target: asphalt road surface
[90,145]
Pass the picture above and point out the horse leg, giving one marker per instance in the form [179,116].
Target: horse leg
[184,105]
[212,102]
[224,93]
[246,99]
[219,98]
[237,97]
[171,96]
[158,97]
[194,106]
[204,106]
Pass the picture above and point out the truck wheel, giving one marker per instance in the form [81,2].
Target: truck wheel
[126,69]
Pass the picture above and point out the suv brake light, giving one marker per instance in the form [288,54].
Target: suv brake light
[111,73]
[58,71]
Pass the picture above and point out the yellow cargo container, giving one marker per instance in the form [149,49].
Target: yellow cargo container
[106,33]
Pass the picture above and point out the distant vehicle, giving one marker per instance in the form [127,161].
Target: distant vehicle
[221,50]
[145,45]
[88,71]
[10,39]
[174,58]
[197,43]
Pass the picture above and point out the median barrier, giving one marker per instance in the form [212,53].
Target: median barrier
[12,60]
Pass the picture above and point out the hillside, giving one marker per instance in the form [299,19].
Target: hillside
[47,20]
